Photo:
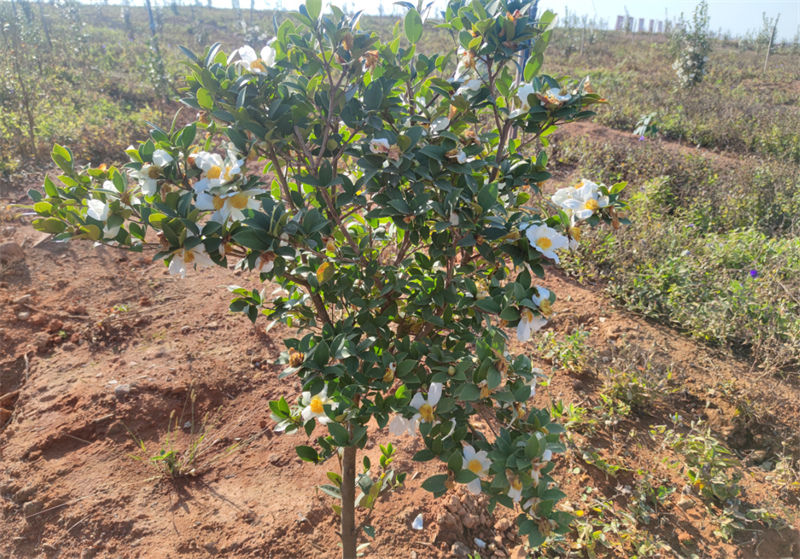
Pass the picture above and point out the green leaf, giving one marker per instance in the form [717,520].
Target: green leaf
[469,393]
[331,490]
[339,433]
[488,305]
[335,478]
[405,367]
[307,453]
[456,461]
[465,476]
[63,158]
[314,8]
[369,531]
[204,99]
[373,96]
[413,26]
[435,484]
[533,66]
[423,456]
[322,354]
[50,225]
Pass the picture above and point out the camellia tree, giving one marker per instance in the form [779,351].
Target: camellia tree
[393,197]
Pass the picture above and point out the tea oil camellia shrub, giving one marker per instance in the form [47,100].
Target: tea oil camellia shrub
[393,197]
[692,45]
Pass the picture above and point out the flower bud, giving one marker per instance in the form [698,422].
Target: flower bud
[451,370]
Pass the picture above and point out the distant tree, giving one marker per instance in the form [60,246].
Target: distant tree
[692,41]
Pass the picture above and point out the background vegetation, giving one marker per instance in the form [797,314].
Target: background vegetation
[714,246]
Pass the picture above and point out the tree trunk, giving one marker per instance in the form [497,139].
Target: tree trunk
[45,25]
[152,21]
[769,46]
[349,539]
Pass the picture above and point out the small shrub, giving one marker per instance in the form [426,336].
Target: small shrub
[707,463]
[572,353]
[694,47]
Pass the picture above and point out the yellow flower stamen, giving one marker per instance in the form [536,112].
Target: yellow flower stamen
[218,202]
[526,315]
[239,201]
[188,256]
[426,412]
[153,172]
[475,466]
[591,204]
[316,405]
[546,307]
[214,172]
[544,243]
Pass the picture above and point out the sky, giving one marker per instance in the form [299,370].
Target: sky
[736,16]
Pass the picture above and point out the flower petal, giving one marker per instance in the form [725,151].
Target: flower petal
[435,393]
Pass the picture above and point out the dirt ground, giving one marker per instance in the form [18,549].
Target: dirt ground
[92,358]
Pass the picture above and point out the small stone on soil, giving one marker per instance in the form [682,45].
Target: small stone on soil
[458,549]
[31,508]
[10,252]
[122,391]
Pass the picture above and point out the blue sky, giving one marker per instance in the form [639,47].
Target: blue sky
[737,16]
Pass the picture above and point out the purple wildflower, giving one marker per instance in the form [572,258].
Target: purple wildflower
[753,273]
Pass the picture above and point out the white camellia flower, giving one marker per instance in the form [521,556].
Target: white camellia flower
[546,240]
[561,196]
[133,200]
[216,171]
[313,406]
[398,425]
[184,257]
[586,201]
[228,206]
[471,85]
[542,300]
[426,406]
[531,504]
[161,158]
[147,177]
[99,210]
[528,324]
[461,157]
[454,219]
[553,98]
[478,463]
[265,262]
[379,146]
[515,491]
[522,94]
[249,60]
